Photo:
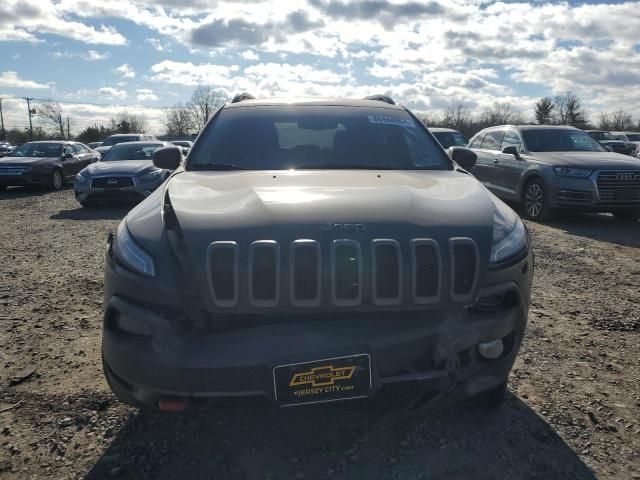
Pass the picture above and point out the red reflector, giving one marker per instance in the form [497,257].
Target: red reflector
[172,405]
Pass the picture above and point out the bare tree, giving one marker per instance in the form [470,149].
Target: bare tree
[457,116]
[569,110]
[621,121]
[544,111]
[204,102]
[128,123]
[52,113]
[500,114]
[178,120]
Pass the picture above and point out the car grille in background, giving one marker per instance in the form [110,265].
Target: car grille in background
[11,170]
[412,272]
[621,186]
[112,182]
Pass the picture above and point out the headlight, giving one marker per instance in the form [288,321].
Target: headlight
[153,176]
[572,172]
[509,233]
[129,253]
[82,176]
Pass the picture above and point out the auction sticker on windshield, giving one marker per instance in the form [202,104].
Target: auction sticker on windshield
[389,120]
[326,380]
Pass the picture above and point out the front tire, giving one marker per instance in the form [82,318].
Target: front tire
[534,201]
[56,181]
[627,215]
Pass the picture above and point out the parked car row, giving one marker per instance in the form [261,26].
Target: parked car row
[5,148]
[551,168]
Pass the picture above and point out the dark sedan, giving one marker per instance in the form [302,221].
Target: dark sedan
[612,143]
[126,172]
[48,163]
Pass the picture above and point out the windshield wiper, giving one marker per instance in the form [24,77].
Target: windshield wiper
[218,167]
[342,166]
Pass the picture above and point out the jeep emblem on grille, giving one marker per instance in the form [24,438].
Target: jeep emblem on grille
[625,176]
[342,227]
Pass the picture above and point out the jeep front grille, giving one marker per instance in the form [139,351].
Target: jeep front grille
[380,272]
[621,186]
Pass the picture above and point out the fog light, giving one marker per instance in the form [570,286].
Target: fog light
[491,350]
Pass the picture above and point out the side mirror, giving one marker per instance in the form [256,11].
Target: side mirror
[463,156]
[168,158]
[511,150]
[68,155]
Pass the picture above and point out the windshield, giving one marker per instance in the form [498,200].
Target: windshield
[451,139]
[602,136]
[38,150]
[115,140]
[633,137]
[316,137]
[559,140]
[138,151]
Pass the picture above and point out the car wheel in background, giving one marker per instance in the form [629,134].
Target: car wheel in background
[534,201]
[627,215]
[56,181]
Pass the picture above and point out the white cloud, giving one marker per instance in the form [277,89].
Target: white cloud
[158,44]
[146,94]
[125,70]
[93,55]
[112,93]
[11,79]
[186,73]
[249,55]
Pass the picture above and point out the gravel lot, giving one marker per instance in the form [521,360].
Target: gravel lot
[573,412]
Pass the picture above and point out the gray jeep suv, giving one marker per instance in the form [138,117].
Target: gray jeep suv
[311,251]
[547,168]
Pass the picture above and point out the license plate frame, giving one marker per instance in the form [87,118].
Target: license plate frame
[331,379]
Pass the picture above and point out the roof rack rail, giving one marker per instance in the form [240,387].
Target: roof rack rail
[241,97]
[381,98]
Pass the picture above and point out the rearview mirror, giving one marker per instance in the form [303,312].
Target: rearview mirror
[511,150]
[463,156]
[168,158]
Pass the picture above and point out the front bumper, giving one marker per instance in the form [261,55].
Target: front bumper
[85,192]
[436,348]
[583,194]
[27,178]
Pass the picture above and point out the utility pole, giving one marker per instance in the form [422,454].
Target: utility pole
[2,122]
[30,124]
[68,130]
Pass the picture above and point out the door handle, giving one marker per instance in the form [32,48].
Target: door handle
[495,160]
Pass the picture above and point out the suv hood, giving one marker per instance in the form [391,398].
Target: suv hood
[284,206]
[592,160]
[126,167]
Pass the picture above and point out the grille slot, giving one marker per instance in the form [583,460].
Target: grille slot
[346,272]
[222,259]
[619,186]
[426,270]
[387,272]
[264,273]
[305,277]
[464,268]
[11,170]
[112,182]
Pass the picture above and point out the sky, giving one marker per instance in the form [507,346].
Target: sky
[101,57]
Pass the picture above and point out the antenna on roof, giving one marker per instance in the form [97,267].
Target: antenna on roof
[241,97]
[381,98]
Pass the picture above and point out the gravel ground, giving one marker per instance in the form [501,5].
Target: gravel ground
[573,410]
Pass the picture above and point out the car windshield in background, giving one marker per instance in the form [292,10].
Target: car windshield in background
[138,151]
[38,150]
[115,140]
[316,137]
[182,144]
[451,139]
[633,137]
[558,140]
[602,136]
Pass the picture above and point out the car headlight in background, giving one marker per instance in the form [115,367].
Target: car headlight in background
[510,236]
[152,177]
[572,172]
[130,254]
[82,177]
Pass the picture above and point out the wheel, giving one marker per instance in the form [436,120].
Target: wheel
[534,201]
[56,181]
[491,398]
[627,215]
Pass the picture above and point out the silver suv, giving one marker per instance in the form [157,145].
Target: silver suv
[548,168]
[313,251]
